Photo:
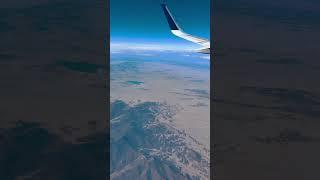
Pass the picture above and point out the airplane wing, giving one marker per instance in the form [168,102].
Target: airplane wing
[176,30]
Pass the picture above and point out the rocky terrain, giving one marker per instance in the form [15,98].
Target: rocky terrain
[143,146]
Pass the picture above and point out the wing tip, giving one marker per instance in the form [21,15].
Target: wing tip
[173,25]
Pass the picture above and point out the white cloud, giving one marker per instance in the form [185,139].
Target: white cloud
[117,47]
[205,57]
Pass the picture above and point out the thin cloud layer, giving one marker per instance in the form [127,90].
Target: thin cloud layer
[116,47]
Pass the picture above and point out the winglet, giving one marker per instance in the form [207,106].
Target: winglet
[173,25]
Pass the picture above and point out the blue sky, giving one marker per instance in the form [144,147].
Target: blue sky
[143,22]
